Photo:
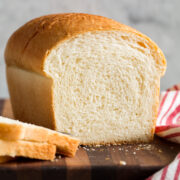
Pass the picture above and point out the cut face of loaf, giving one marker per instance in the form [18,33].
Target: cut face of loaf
[106,87]
[85,75]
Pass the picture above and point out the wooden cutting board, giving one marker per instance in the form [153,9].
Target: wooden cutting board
[106,162]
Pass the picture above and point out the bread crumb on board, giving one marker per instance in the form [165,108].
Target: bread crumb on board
[122,163]
[128,149]
[160,150]
[57,158]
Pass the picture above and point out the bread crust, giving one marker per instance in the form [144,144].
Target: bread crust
[31,97]
[33,150]
[29,46]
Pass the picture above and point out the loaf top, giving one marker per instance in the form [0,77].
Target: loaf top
[29,46]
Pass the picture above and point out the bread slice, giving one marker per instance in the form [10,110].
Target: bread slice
[86,75]
[33,150]
[13,130]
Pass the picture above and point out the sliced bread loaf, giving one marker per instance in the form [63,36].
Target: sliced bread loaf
[13,130]
[86,75]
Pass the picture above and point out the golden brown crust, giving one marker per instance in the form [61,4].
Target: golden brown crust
[156,107]
[10,133]
[29,46]
[34,150]
[31,97]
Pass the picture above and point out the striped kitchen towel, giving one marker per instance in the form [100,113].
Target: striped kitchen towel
[170,172]
[168,127]
[168,122]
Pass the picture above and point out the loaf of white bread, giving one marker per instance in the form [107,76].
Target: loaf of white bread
[86,75]
[27,140]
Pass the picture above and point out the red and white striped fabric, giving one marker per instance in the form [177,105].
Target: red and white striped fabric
[168,122]
[170,172]
[168,127]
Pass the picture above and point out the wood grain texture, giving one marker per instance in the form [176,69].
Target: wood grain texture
[90,163]
[79,167]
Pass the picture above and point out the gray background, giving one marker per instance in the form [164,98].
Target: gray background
[159,19]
